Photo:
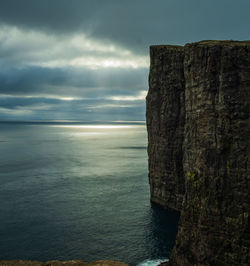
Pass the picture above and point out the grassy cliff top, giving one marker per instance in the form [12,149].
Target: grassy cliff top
[204,42]
[166,46]
[221,42]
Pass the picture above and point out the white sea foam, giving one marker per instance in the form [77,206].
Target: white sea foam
[152,262]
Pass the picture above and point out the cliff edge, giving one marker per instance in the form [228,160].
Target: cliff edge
[207,83]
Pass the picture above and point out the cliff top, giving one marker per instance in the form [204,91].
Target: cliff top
[167,46]
[205,43]
[221,42]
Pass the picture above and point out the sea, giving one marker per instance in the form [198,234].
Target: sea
[75,190]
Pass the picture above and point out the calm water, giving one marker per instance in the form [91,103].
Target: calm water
[74,191]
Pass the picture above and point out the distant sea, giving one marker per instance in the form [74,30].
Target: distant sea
[72,190]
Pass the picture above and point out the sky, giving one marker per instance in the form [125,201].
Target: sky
[88,60]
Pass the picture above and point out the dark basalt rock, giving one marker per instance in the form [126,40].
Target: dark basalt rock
[214,224]
[165,124]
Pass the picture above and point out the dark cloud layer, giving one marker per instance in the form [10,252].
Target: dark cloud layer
[85,109]
[73,82]
[133,23]
[42,93]
[88,59]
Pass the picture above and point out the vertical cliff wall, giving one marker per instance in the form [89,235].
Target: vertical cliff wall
[165,124]
[214,226]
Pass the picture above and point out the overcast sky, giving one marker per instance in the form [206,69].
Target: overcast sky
[88,59]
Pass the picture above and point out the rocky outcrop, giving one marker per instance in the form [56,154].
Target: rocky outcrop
[61,263]
[165,124]
[214,224]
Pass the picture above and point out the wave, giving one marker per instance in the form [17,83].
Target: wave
[152,262]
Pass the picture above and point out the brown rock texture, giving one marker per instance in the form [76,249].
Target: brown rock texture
[214,226]
[61,263]
[165,125]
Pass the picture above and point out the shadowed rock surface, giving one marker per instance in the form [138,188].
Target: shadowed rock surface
[165,124]
[214,224]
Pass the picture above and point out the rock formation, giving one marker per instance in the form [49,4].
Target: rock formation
[214,226]
[165,123]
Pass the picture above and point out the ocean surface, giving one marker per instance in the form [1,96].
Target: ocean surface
[79,191]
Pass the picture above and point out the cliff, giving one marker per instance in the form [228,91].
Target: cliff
[165,124]
[214,223]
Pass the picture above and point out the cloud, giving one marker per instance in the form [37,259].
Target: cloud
[8,112]
[133,24]
[88,60]
[31,108]
[34,48]
[140,96]
[73,82]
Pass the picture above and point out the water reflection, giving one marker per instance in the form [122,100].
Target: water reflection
[67,194]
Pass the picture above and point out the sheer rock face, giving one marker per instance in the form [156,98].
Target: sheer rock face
[214,226]
[165,123]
